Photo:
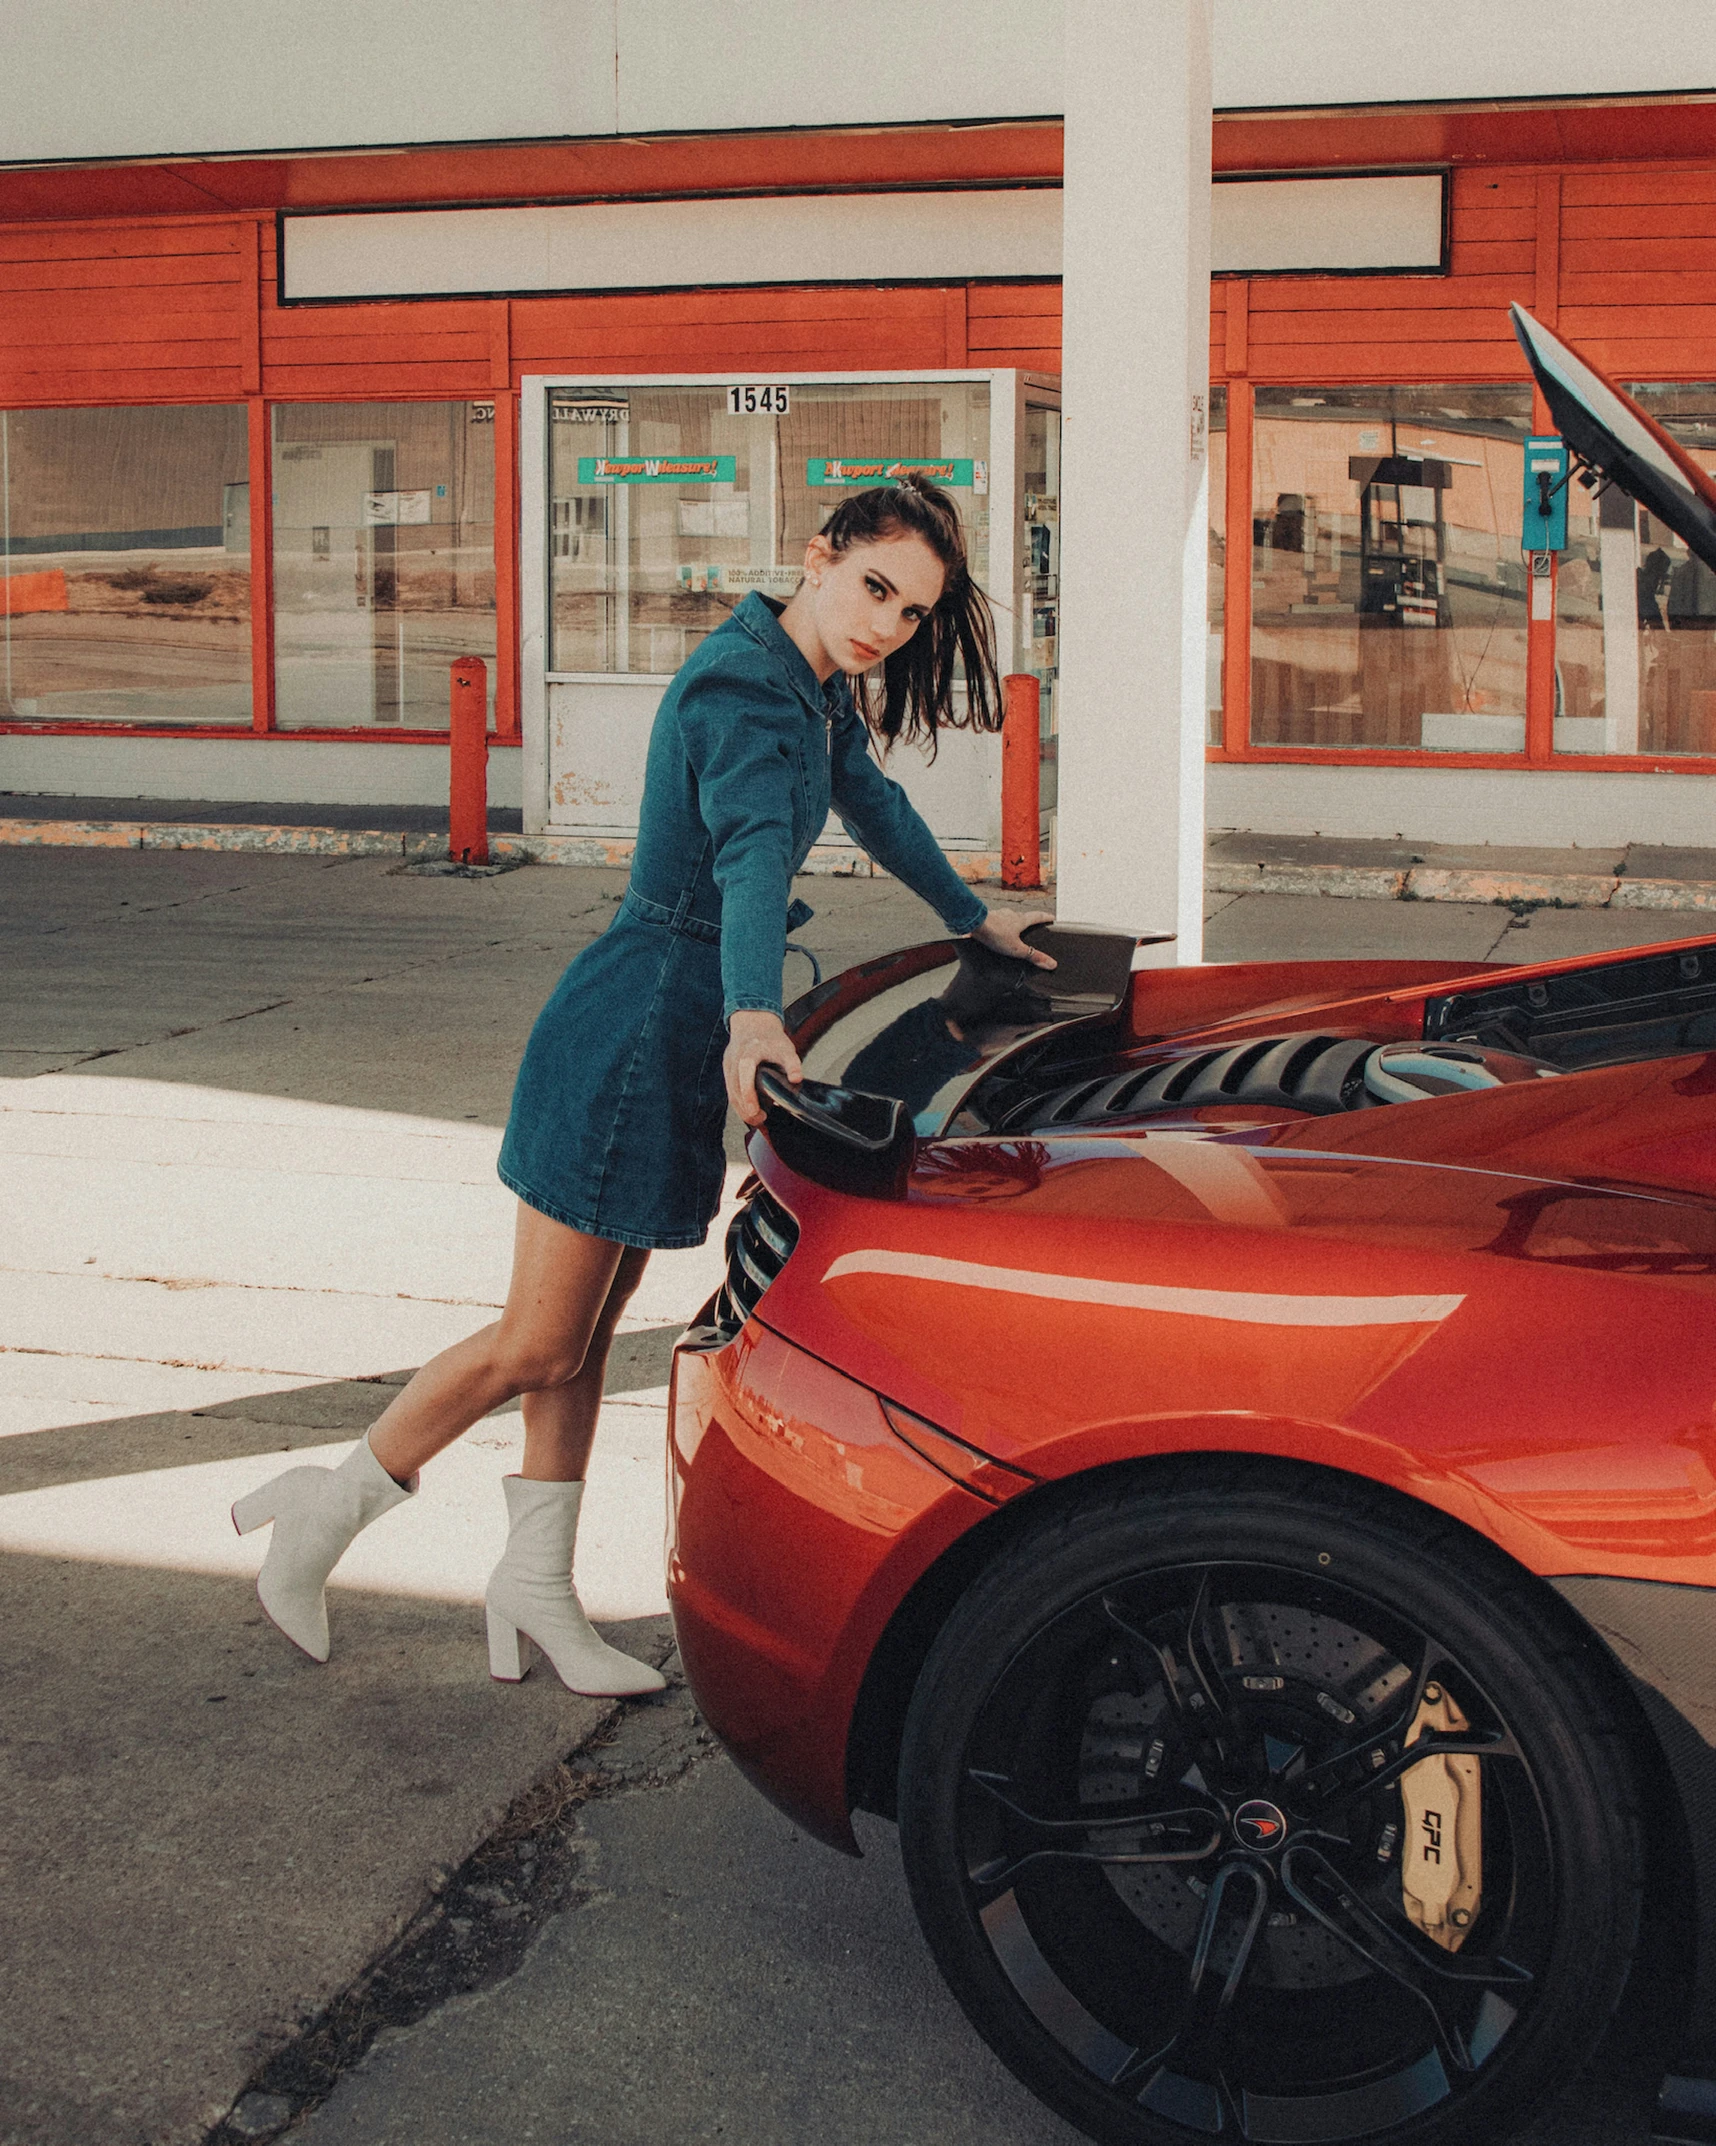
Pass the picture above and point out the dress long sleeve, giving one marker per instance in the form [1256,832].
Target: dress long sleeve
[746,760]
[879,816]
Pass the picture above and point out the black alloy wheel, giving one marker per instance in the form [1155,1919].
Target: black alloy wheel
[1246,1803]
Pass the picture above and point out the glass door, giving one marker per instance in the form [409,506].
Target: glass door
[1040,579]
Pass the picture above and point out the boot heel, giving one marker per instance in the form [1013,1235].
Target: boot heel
[509,1651]
[254,1510]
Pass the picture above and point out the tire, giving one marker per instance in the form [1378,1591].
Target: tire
[1158,1671]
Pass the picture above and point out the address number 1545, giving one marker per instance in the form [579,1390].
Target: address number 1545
[772,400]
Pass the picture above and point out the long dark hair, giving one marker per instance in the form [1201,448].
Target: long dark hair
[915,699]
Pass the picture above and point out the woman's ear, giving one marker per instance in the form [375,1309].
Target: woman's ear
[818,557]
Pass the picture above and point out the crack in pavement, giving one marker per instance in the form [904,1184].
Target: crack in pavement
[484,1917]
[271,1289]
[1512,924]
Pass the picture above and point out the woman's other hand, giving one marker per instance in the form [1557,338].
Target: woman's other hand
[1002,932]
[755,1039]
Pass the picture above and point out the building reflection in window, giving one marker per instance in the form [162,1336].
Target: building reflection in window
[125,557]
[1636,612]
[384,560]
[1388,590]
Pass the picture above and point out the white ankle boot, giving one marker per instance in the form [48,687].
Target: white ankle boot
[316,1512]
[531,1597]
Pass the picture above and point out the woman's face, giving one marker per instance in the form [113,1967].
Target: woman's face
[870,599]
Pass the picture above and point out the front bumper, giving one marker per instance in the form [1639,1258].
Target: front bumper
[798,1523]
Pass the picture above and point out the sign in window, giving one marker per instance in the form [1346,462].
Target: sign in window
[669,505]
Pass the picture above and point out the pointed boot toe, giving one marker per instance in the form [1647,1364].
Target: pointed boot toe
[315,1512]
[530,1598]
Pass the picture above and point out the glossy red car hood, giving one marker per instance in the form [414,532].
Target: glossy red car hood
[1503,1302]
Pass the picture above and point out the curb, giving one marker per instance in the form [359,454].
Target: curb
[824,862]
[1336,882]
[586,850]
[160,834]
[1439,883]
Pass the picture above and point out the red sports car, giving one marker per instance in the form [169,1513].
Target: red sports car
[1227,1458]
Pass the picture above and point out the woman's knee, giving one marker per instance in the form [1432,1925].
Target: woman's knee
[531,1363]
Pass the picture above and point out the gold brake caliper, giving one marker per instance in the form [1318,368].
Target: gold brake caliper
[1442,1859]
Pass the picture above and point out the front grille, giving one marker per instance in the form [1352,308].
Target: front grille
[760,1241]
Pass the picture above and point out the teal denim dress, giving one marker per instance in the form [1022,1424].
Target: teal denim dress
[619,1106]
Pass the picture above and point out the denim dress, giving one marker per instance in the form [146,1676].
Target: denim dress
[618,1111]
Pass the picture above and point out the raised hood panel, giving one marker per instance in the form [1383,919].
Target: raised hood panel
[1605,427]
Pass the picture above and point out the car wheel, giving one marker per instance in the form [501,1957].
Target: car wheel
[1167,1836]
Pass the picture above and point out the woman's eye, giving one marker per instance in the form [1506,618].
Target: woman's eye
[876,589]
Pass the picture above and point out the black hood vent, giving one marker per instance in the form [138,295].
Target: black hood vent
[1315,1073]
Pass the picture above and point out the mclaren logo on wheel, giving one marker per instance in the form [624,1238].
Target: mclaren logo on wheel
[1259,1824]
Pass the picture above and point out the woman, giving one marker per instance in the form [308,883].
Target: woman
[614,1144]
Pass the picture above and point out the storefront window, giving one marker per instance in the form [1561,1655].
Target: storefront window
[1636,613]
[1217,560]
[384,560]
[1388,590]
[667,504]
[125,551]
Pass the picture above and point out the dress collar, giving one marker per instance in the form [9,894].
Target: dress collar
[762,621]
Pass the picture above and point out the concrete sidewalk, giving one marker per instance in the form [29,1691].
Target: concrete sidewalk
[249,1144]
[1635,876]
[249,1137]
[205,1835]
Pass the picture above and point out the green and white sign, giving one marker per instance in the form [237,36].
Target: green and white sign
[823,470]
[657,469]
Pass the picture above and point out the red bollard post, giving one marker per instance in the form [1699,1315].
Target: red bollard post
[1021,782]
[468,792]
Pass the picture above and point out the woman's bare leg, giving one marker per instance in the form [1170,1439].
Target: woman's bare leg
[560,1421]
[561,1280]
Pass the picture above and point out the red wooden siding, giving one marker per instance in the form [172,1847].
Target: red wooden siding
[1015,324]
[601,168]
[185,309]
[438,350]
[151,312]
[1623,258]
[1319,329]
[182,307]
[1638,269]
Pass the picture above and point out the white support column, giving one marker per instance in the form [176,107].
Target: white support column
[1135,467]
[1618,567]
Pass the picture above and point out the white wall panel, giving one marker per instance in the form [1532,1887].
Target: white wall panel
[686,65]
[1262,225]
[113,78]
[1329,52]
[263,771]
[1375,223]
[1551,807]
[126,78]
[811,238]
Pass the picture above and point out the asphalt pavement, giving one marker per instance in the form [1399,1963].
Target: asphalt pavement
[249,1110]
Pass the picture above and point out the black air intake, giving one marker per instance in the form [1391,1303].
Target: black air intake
[760,1241]
[1314,1073]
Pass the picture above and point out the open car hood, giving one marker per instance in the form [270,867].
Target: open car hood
[892,1048]
[1608,430]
